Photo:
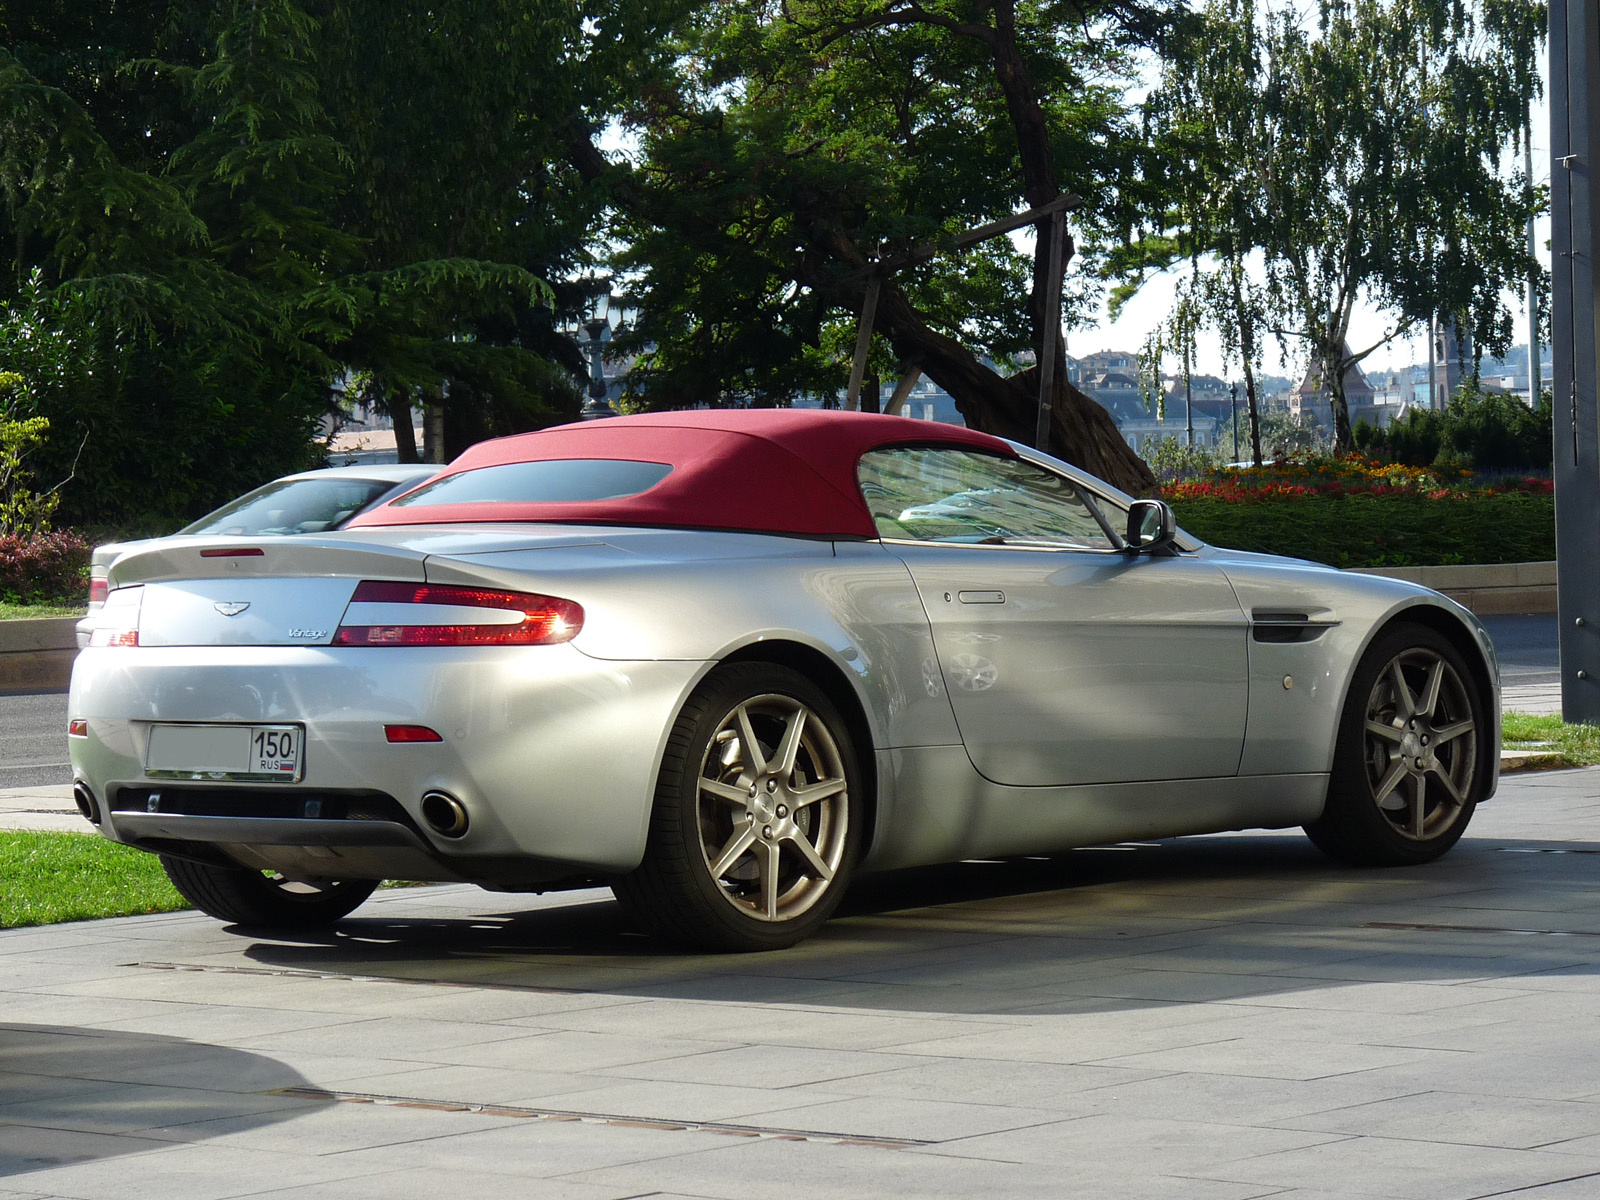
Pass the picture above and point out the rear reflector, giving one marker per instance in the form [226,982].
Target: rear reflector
[77,727]
[224,552]
[98,588]
[410,733]
[546,620]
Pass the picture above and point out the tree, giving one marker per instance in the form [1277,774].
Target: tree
[1361,155]
[791,148]
[234,207]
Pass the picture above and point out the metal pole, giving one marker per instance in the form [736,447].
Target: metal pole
[858,368]
[1533,280]
[1433,376]
[1233,403]
[1574,131]
[1052,331]
[1188,400]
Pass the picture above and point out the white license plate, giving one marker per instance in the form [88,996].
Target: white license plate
[259,752]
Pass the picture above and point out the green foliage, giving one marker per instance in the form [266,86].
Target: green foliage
[46,878]
[1381,530]
[1483,431]
[788,147]
[23,511]
[215,212]
[1172,458]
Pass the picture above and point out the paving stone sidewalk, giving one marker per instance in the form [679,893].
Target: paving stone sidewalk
[1217,1019]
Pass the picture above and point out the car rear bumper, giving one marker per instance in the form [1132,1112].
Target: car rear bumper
[551,754]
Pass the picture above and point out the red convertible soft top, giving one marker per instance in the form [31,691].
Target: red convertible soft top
[782,470]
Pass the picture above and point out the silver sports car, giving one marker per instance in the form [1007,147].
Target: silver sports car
[723,661]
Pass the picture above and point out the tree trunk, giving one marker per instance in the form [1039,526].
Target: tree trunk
[1247,354]
[1255,413]
[398,405]
[1333,384]
[1083,432]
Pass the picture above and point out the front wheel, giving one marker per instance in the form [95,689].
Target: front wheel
[1407,771]
[757,816]
[264,900]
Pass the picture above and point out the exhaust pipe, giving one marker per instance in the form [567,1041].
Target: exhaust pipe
[444,814]
[87,804]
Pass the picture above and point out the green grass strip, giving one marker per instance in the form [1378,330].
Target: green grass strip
[50,877]
[1578,745]
[12,612]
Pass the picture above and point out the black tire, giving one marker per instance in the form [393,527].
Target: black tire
[1410,764]
[262,901]
[800,831]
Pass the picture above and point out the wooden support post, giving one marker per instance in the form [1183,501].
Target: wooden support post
[858,369]
[902,390]
[1052,331]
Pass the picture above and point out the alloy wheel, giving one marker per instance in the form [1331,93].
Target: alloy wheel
[1421,744]
[772,808]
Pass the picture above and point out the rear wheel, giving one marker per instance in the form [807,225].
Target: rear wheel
[757,815]
[1406,773]
[262,899]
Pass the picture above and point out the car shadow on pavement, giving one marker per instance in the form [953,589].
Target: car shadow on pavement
[73,1095]
[1234,918]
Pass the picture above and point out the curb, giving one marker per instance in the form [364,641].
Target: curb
[36,654]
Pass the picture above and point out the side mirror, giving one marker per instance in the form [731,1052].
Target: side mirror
[1151,526]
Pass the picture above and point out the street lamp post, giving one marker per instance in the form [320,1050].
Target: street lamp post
[1233,403]
[605,315]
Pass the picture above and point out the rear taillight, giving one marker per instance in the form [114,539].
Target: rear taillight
[117,622]
[385,613]
[98,589]
[105,636]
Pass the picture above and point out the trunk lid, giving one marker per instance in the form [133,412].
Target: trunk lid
[283,591]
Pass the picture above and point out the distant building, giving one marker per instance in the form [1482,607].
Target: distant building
[1309,402]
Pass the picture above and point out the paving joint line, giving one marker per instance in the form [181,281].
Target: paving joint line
[1414,927]
[662,1124]
[352,977]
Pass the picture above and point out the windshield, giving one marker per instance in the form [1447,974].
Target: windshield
[293,506]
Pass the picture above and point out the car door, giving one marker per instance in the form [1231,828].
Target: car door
[1066,659]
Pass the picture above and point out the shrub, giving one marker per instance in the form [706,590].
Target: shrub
[1389,528]
[1487,431]
[44,567]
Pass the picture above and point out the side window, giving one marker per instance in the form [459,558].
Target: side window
[933,494]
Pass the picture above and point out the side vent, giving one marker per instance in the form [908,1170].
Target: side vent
[1282,625]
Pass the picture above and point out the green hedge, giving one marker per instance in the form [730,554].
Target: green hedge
[1381,531]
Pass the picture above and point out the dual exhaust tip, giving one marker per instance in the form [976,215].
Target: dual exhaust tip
[444,814]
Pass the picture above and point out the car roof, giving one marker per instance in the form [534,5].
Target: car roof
[388,472]
[790,471]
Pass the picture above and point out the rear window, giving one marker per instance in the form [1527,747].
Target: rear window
[549,481]
[293,506]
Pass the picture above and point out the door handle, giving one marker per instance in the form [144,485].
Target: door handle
[981,597]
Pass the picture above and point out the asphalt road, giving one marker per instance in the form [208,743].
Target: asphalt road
[33,727]
[33,740]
